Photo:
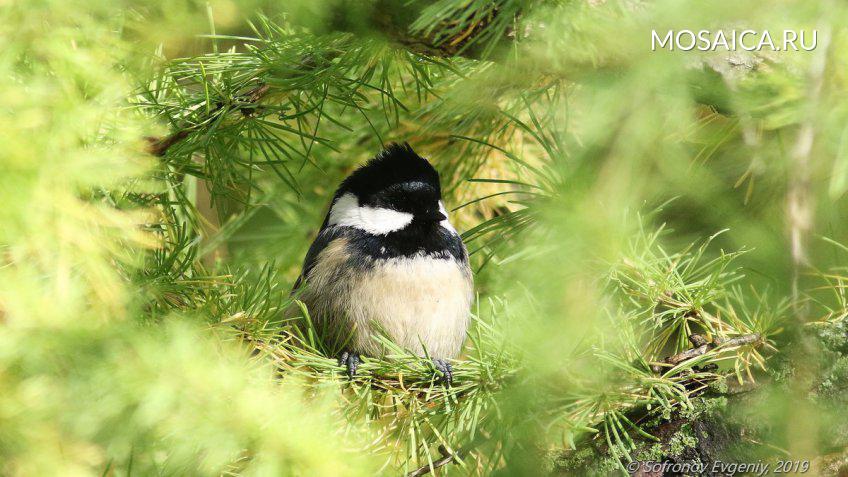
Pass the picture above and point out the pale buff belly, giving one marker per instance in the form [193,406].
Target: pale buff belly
[417,302]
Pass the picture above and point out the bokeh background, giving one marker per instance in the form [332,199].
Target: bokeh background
[659,238]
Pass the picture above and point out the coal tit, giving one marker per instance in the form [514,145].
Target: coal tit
[388,261]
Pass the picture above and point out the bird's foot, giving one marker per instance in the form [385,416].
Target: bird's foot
[444,367]
[350,361]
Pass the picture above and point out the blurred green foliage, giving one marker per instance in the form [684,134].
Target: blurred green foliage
[165,165]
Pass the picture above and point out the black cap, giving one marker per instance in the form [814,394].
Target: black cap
[396,164]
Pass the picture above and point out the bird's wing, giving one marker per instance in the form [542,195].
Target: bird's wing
[325,237]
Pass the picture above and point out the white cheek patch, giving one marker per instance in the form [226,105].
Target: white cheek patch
[378,221]
[446,223]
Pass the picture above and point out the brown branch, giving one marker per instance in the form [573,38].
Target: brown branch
[701,346]
[738,341]
[446,459]
[257,93]
[158,146]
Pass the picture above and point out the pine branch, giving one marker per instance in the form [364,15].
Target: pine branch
[465,27]
[447,457]
[702,346]
[159,146]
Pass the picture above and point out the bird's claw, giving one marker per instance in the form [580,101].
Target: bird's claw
[446,369]
[350,361]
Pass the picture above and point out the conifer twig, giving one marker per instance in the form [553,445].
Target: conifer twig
[159,146]
[701,346]
[447,457]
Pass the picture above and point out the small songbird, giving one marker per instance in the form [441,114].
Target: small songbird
[388,261]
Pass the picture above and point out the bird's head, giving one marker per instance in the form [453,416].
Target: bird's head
[395,190]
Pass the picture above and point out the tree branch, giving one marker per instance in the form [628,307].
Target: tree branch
[447,458]
[701,346]
[158,146]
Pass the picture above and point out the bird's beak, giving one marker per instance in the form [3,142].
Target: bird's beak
[434,216]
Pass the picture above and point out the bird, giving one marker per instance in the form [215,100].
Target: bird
[387,261]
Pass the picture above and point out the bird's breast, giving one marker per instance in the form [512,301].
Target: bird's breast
[418,301]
